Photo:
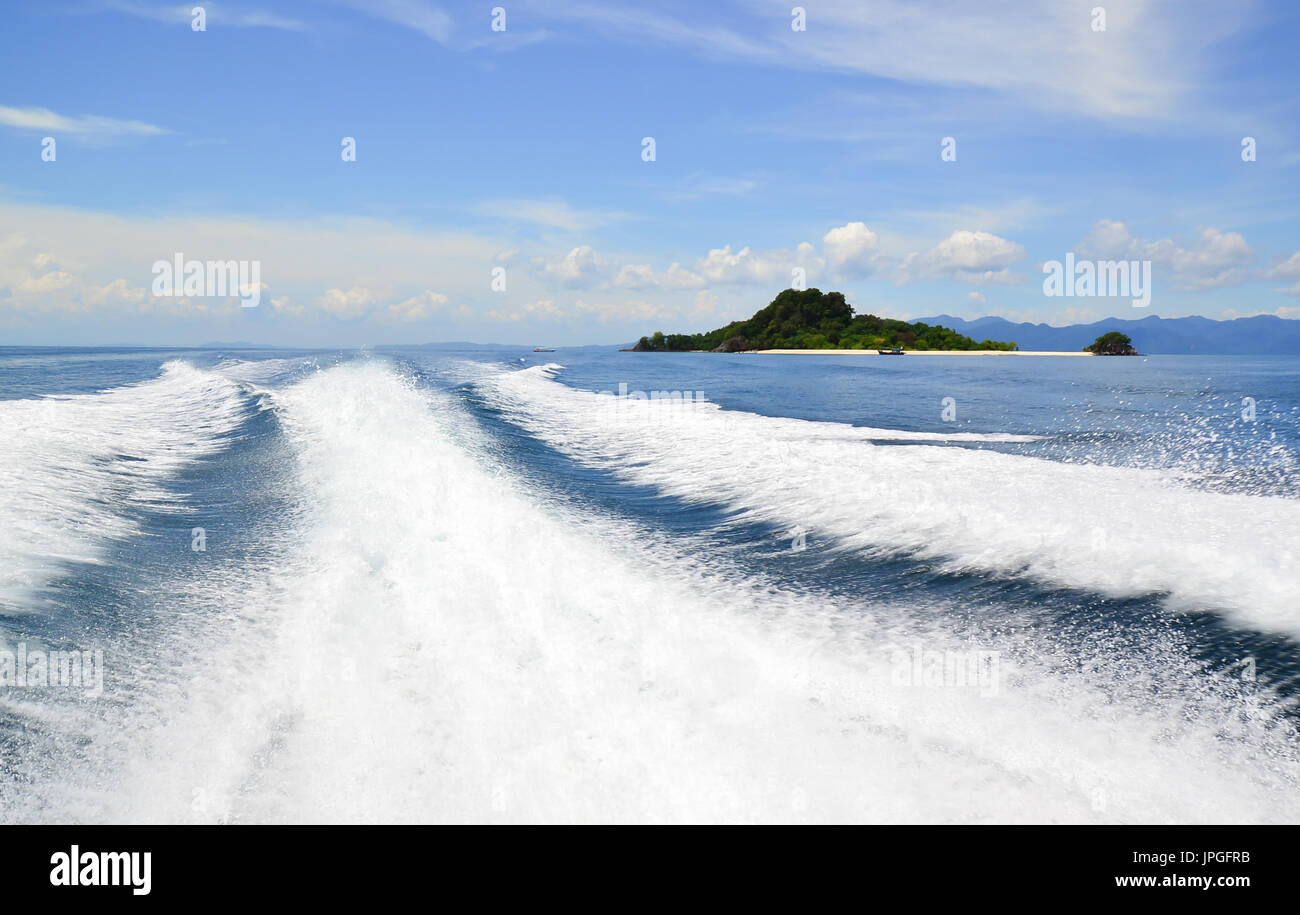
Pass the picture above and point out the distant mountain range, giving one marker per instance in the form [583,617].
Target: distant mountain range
[1258,335]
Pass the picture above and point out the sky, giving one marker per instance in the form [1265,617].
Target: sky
[924,157]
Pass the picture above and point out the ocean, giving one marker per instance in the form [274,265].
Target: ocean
[441,584]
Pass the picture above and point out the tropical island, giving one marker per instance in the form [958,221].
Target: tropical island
[1112,344]
[810,319]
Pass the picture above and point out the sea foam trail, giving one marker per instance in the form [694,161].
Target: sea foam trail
[443,646]
[71,467]
[1118,531]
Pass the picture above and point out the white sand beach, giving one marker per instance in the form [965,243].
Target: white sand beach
[911,352]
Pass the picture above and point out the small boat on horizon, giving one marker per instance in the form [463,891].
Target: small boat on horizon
[542,349]
[896,351]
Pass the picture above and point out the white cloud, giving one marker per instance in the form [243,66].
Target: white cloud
[767,268]
[1284,311]
[350,304]
[980,258]
[643,276]
[418,307]
[38,285]
[118,292]
[852,250]
[582,267]
[1288,269]
[696,186]
[219,13]
[433,22]
[339,255]
[607,312]
[536,310]
[706,304]
[1059,318]
[1003,277]
[554,214]
[1107,239]
[1213,259]
[86,125]
[52,281]
[1044,53]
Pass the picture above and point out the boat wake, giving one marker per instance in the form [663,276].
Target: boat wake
[1113,530]
[436,641]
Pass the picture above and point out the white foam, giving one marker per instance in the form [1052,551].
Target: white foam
[443,646]
[1118,531]
[72,467]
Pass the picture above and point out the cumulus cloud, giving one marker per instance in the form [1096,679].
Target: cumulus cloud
[60,261]
[581,268]
[768,268]
[1003,277]
[418,307]
[351,304]
[979,258]
[35,283]
[1288,269]
[118,292]
[706,304]
[607,312]
[1211,260]
[852,250]
[585,268]
[643,276]
[536,310]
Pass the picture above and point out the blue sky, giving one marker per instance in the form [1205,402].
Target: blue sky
[522,150]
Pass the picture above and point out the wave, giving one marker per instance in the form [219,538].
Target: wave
[73,468]
[1113,530]
[443,644]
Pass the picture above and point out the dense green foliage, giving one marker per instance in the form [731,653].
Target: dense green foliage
[1112,344]
[812,319]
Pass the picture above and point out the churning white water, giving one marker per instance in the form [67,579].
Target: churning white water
[70,464]
[1119,531]
[435,642]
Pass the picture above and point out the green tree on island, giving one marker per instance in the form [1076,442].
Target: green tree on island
[812,319]
[1112,343]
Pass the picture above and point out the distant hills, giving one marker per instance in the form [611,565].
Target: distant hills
[1259,335]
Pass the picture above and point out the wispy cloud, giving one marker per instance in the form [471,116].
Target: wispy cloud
[553,214]
[694,187]
[214,13]
[85,125]
[435,23]
[1044,53]
[426,18]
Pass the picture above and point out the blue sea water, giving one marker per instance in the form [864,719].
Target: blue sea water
[462,584]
